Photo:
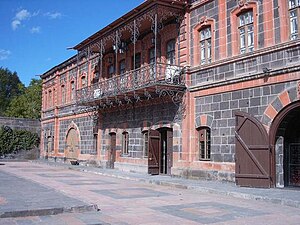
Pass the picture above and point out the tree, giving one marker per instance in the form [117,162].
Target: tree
[27,105]
[10,87]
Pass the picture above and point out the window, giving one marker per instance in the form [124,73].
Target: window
[152,56]
[246,32]
[138,61]
[145,143]
[95,142]
[50,99]
[294,9]
[171,52]
[204,143]
[83,81]
[110,70]
[205,45]
[45,100]
[72,90]
[125,142]
[63,94]
[122,66]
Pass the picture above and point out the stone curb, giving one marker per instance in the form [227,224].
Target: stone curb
[49,211]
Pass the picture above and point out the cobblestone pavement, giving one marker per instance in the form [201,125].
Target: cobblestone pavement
[35,186]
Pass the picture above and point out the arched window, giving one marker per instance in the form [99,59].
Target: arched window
[205,45]
[50,100]
[63,94]
[204,143]
[246,31]
[125,143]
[72,90]
[83,81]
[294,11]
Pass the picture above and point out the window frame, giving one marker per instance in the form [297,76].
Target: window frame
[234,17]
[138,63]
[204,22]
[83,81]
[63,93]
[296,9]
[207,43]
[122,66]
[125,143]
[171,52]
[204,143]
[50,99]
[72,90]
[248,29]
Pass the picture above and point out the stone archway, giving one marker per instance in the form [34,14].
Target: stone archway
[285,143]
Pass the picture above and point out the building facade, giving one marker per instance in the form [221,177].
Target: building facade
[200,88]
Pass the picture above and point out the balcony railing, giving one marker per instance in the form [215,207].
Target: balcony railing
[142,78]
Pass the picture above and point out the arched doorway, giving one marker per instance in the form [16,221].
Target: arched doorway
[285,139]
[72,144]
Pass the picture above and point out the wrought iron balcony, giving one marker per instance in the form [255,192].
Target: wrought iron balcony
[143,83]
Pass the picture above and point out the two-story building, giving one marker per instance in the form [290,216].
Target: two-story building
[200,89]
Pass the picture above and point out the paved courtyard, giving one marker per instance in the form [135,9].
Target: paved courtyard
[37,193]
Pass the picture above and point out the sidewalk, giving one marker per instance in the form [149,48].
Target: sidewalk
[287,197]
[24,198]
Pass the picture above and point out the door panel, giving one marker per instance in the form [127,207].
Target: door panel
[112,153]
[169,151]
[154,148]
[252,167]
[72,144]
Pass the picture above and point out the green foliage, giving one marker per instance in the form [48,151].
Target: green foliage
[10,87]
[27,105]
[16,140]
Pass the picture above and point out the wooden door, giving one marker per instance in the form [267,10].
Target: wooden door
[169,151]
[112,152]
[72,144]
[154,148]
[252,166]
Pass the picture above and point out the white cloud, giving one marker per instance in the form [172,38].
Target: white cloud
[21,15]
[4,54]
[55,15]
[35,30]
[15,24]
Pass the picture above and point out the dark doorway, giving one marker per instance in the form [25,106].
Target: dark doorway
[289,129]
[166,150]
[112,151]
[160,159]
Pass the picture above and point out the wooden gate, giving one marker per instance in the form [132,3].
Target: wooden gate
[252,156]
[154,147]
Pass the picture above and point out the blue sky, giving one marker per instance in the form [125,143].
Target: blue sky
[34,34]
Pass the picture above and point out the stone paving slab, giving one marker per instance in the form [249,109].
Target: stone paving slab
[20,197]
[135,203]
[285,196]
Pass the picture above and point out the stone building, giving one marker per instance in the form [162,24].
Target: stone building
[200,88]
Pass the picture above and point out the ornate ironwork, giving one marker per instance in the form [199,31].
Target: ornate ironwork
[168,79]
